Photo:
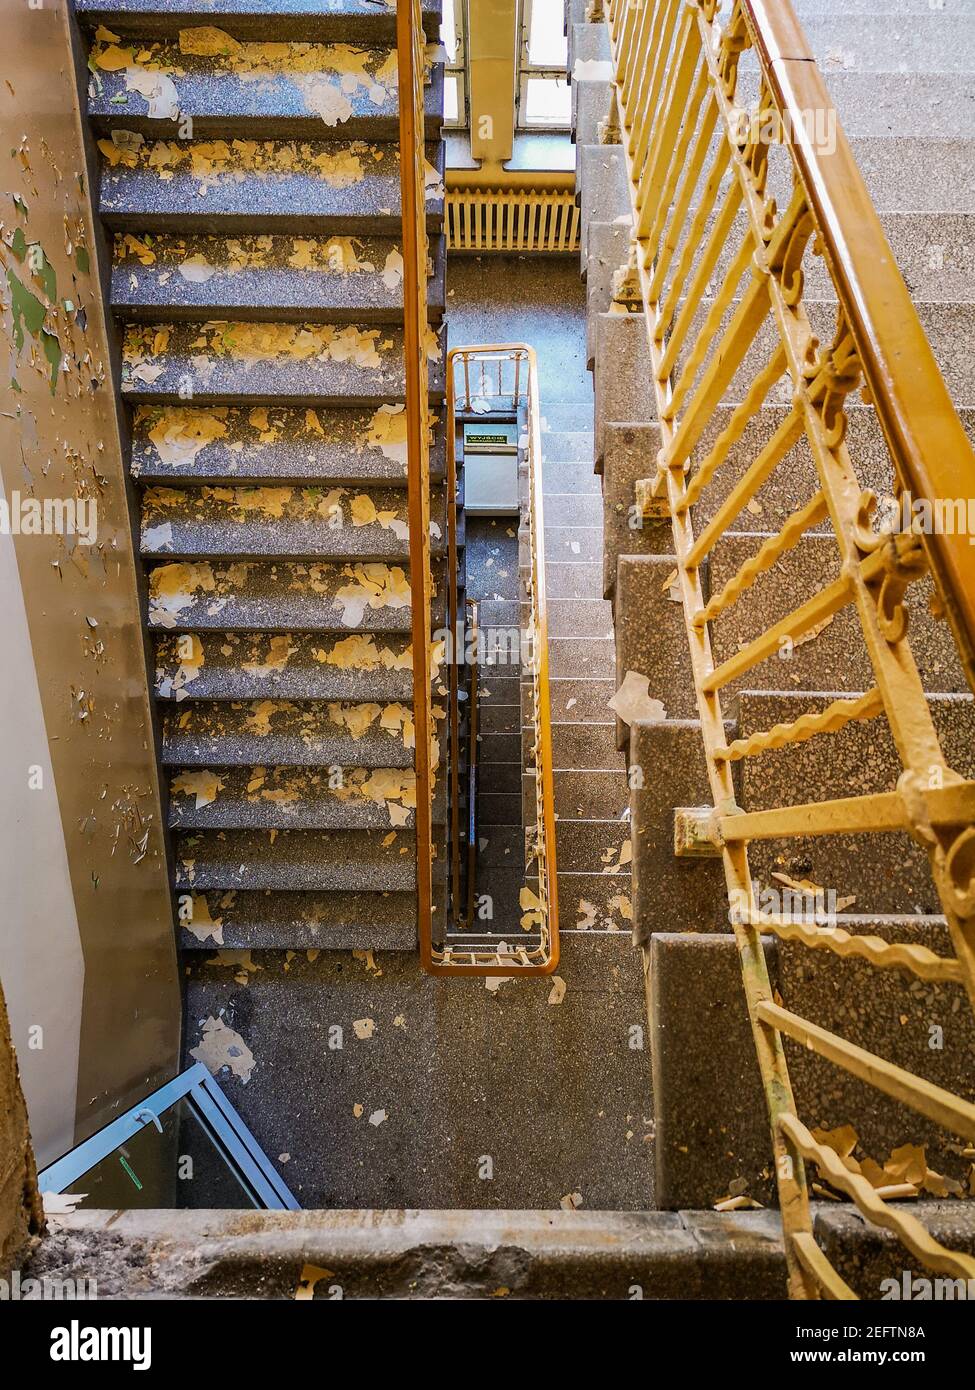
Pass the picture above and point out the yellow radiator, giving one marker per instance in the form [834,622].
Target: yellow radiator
[486,219]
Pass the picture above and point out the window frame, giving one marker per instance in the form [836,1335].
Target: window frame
[227,1131]
[458,68]
[528,70]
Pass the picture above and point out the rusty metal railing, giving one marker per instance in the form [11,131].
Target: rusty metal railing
[505,377]
[428,653]
[721,269]
[410,45]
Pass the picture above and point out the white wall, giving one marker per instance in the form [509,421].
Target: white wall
[41,964]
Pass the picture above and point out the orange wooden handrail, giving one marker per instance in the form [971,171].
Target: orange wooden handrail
[928,443]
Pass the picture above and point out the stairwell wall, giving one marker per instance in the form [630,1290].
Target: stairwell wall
[86,950]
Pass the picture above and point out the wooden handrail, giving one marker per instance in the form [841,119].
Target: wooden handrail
[928,443]
[518,962]
[409,51]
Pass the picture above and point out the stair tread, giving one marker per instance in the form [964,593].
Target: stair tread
[264,798]
[289,363]
[275,444]
[367,861]
[224,85]
[273,19]
[321,278]
[260,186]
[326,523]
[298,920]
[293,666]
[266,597]
[288,733]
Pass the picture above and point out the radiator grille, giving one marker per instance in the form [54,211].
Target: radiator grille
[485,219]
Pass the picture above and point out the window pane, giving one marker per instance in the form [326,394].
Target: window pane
[448,31]
[547,44]
[450,100]
[547,102]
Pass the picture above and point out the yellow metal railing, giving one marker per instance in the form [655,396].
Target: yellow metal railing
[721,274]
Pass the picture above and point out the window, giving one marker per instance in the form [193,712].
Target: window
[453,38]
[184,1146]
[544,99]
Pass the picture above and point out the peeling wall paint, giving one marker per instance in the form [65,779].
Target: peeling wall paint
[59,439]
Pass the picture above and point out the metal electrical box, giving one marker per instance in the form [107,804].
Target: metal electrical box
[491,468]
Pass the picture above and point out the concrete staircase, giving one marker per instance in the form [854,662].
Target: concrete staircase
[256,283]
[901,75]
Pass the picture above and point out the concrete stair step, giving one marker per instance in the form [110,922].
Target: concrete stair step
[502,846]
[572,544]
[499,779]
[589,745]
[579,701]
[835,658]
[272,362]
[580,618]
[710,1117]
[334,279]
[594,847]
[595,902]
[277,444]
[272,733]
[288,798]
[884,873]
[950,329]
[866,1256]
[578,582]
[290,666]
[629,453]
[933,249]
[583,794]
[567,446]
[810,11]
[499,719]
[227,86]
[299,921]
[932,104]
[908,44]
[710,1120]
[580,658]
[651,637]
[889,1013]
[318,188]
[575,476]
[561,418]
[318,861]
[571,509]
[601,188]
[208,523]
[671,894]
[623,374]
[283,597]
[608,247]
[360,21]
[498,809]
[532,1254]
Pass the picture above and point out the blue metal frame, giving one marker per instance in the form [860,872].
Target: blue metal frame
[218,1117]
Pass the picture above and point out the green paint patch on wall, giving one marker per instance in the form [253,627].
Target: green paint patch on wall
[27,315]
